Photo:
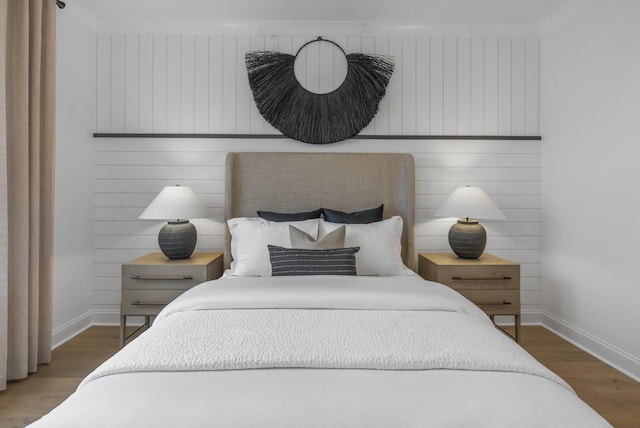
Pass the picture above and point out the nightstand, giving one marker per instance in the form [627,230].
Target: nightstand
[150,282]
[492,283]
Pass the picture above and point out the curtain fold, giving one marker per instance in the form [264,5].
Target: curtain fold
[29,139]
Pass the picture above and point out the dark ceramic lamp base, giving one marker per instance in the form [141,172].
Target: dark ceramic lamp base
[467,238]
[177,239]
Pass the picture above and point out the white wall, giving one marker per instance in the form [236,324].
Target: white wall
[131,81]
[589,111]
[130,171]
[162,81]
[75,122]
[186,83]
[590,122]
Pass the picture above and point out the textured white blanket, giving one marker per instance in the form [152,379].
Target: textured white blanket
[313,338]
[226,353]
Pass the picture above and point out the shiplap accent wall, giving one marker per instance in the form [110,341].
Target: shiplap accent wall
[130,172]
[197,84]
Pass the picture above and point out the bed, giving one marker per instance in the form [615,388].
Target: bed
[354,338]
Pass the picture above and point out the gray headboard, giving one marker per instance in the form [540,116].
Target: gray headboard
[294,182]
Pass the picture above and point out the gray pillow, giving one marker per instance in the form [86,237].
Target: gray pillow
[297,261]
[357,217]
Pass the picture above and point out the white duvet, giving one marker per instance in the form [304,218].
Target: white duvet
[322,351]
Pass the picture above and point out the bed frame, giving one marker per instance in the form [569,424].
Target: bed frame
[294,182]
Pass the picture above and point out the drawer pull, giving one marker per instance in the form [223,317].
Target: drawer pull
[480,278]
[162,278]
[139,303]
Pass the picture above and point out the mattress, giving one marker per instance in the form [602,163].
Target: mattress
[322,351]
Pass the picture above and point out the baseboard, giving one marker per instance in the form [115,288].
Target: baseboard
[526,318]
[113,318]
[531,318]
[91,318]
[106,318]
[76,326]
[607,353]
[71,329]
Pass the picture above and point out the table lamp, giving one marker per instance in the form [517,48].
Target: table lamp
[467,237]
[176,204]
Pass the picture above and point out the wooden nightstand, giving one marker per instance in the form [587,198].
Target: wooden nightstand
[150,282]
[490,282]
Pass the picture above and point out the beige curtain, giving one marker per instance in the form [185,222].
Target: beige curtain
[27,130]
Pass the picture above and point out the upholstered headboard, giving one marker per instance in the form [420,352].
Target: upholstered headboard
[294,182]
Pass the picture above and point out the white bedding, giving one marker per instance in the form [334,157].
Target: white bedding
[322,351]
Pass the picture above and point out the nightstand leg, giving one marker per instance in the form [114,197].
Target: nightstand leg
[516,325]
[123,326]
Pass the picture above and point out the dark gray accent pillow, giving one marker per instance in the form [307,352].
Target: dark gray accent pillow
[357,217]
[298,261]
[273,216]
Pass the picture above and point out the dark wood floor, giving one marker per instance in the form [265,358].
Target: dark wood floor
[614,395]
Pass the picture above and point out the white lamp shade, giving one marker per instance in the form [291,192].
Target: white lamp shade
[471,202]
[175,203]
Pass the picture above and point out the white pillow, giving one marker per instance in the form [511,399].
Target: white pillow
[250,237]
[380,245]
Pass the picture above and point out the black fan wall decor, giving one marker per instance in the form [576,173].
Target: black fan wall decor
[311,117]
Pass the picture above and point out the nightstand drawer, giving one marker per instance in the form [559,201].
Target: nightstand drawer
[161,277]
[146,302]
[490,282]
[150,282]
[510,298]
[480,277]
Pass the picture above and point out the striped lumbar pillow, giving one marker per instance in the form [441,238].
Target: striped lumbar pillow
[297,261]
